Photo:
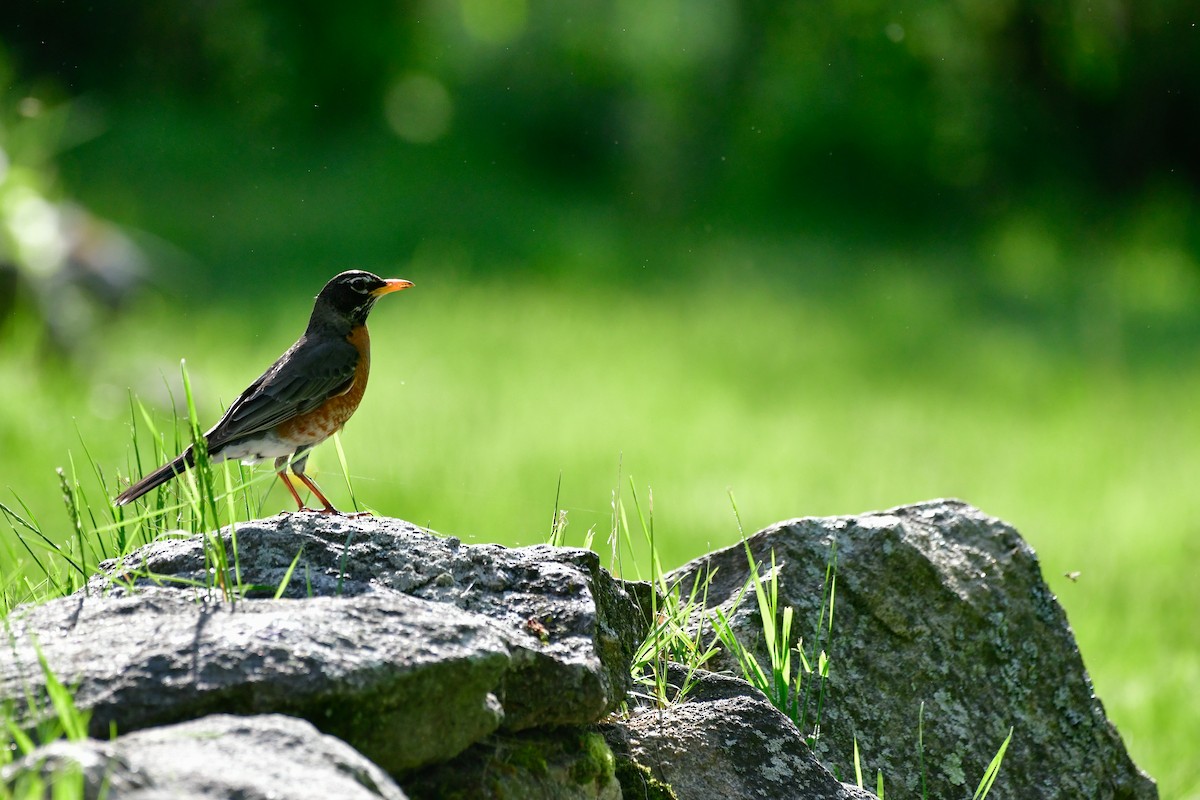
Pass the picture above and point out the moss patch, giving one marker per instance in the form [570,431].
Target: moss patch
[638,783]
[595,763]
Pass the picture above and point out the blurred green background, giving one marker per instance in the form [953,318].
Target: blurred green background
[830,257]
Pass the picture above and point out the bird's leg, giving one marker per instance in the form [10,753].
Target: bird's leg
[298,462]
[329,509]
[312,486]
[292,489]
[281,466]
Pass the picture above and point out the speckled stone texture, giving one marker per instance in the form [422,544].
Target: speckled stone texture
[214,758]
[941,604]
[428,656]
[409,646]
[725,740]
[405,681]
[571,627]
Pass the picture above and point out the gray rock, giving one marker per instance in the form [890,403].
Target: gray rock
[724,740]
[214,758]
[571,627]
[941,604]
[405,681]
[410,647]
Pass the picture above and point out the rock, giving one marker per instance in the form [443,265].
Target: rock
[556,764]
[430,646]
[724,740]
[214,758]
[405,681]
[470,671]
[939,604]
[572,628]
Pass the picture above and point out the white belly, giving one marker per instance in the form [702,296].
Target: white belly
[267,446]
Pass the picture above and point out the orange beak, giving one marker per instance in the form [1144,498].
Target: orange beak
[392,285]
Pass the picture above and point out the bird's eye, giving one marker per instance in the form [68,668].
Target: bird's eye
[360,285]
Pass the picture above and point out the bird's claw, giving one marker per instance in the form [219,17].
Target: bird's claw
[330,510]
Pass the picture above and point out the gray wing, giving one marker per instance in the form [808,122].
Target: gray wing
[308,374]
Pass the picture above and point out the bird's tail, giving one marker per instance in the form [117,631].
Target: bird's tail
[160,476]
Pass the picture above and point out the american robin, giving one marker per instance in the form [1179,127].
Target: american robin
[304,398]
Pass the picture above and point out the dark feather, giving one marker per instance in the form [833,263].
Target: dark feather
[308,374]
[155,479]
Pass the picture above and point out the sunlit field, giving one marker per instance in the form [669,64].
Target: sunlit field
[811,263]
[555,350]
[490,398]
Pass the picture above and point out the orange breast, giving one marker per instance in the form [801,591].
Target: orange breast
[321,423]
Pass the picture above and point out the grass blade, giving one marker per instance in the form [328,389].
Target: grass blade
[341,454]
[993,769]
[287,576]
[921,748]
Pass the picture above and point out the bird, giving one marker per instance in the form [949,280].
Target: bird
[302,399]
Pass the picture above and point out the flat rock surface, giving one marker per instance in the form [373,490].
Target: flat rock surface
[404,680]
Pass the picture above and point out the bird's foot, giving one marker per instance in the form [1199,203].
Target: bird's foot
[335,512]
[330,510]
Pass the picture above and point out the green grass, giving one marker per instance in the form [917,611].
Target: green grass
[483,393]
[47,719]
[790,690]
[681,630]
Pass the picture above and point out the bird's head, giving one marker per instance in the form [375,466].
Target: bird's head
[351,295]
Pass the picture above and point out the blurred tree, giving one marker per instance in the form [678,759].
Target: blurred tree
[669,106]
